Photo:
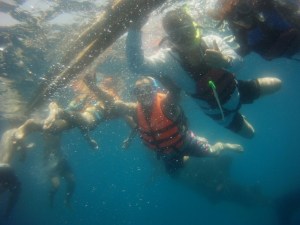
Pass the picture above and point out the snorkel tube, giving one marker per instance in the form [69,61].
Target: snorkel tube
[212,85]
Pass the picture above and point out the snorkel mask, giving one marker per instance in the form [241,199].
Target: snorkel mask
[146,91]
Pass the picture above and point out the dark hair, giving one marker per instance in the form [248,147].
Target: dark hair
[176,18]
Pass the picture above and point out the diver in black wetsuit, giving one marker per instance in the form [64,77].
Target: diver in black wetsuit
[9,182]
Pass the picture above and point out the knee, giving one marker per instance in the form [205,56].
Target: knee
[241,126]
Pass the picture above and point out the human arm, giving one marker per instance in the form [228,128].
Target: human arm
[90,81]
[137,61]
[131,122]
[129,139]
[92,142]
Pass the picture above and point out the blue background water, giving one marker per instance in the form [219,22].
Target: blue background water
[117,187]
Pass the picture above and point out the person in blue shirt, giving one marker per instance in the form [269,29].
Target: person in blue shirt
[269,28]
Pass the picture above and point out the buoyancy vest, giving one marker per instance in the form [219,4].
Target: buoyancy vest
[159,132]
[225,85]
[202,73]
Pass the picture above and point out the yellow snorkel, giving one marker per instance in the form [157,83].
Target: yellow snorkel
[198,31]
[195,24]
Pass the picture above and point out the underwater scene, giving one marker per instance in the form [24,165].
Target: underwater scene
[142,112]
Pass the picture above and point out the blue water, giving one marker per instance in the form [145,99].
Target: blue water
[130,187]
[122,187]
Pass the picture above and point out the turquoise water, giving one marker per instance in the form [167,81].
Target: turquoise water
[130,187]
[125,187]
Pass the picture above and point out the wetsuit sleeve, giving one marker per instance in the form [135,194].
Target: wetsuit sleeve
[156,64]
[225,49]
[134,52]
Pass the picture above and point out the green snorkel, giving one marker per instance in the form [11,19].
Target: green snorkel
[212,85]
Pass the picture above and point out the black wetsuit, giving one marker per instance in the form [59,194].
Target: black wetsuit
[9,182]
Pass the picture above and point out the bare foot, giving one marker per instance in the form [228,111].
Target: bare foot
[233,147]
[219,146]
[54,111]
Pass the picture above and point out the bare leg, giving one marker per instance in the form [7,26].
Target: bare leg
[29,126]
[247,130]
[55,183]
[70,179]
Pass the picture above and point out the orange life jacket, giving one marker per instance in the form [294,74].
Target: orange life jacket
[159,132]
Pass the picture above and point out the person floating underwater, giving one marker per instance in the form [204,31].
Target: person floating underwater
[162,126]
[268,28]
[199,66]
[87,112]
[13,142]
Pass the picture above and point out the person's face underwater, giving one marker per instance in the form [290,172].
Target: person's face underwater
[144,94]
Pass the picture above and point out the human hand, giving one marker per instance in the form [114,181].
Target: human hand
[54,113]
[215,58]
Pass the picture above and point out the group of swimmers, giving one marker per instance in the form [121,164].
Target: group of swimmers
[200,66]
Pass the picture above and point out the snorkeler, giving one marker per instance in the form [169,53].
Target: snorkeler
[88,112]
[199,66]
[268,28]
[162,126]
[12,142]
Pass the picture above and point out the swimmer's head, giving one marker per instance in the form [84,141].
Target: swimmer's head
[145,90]
[180,28]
